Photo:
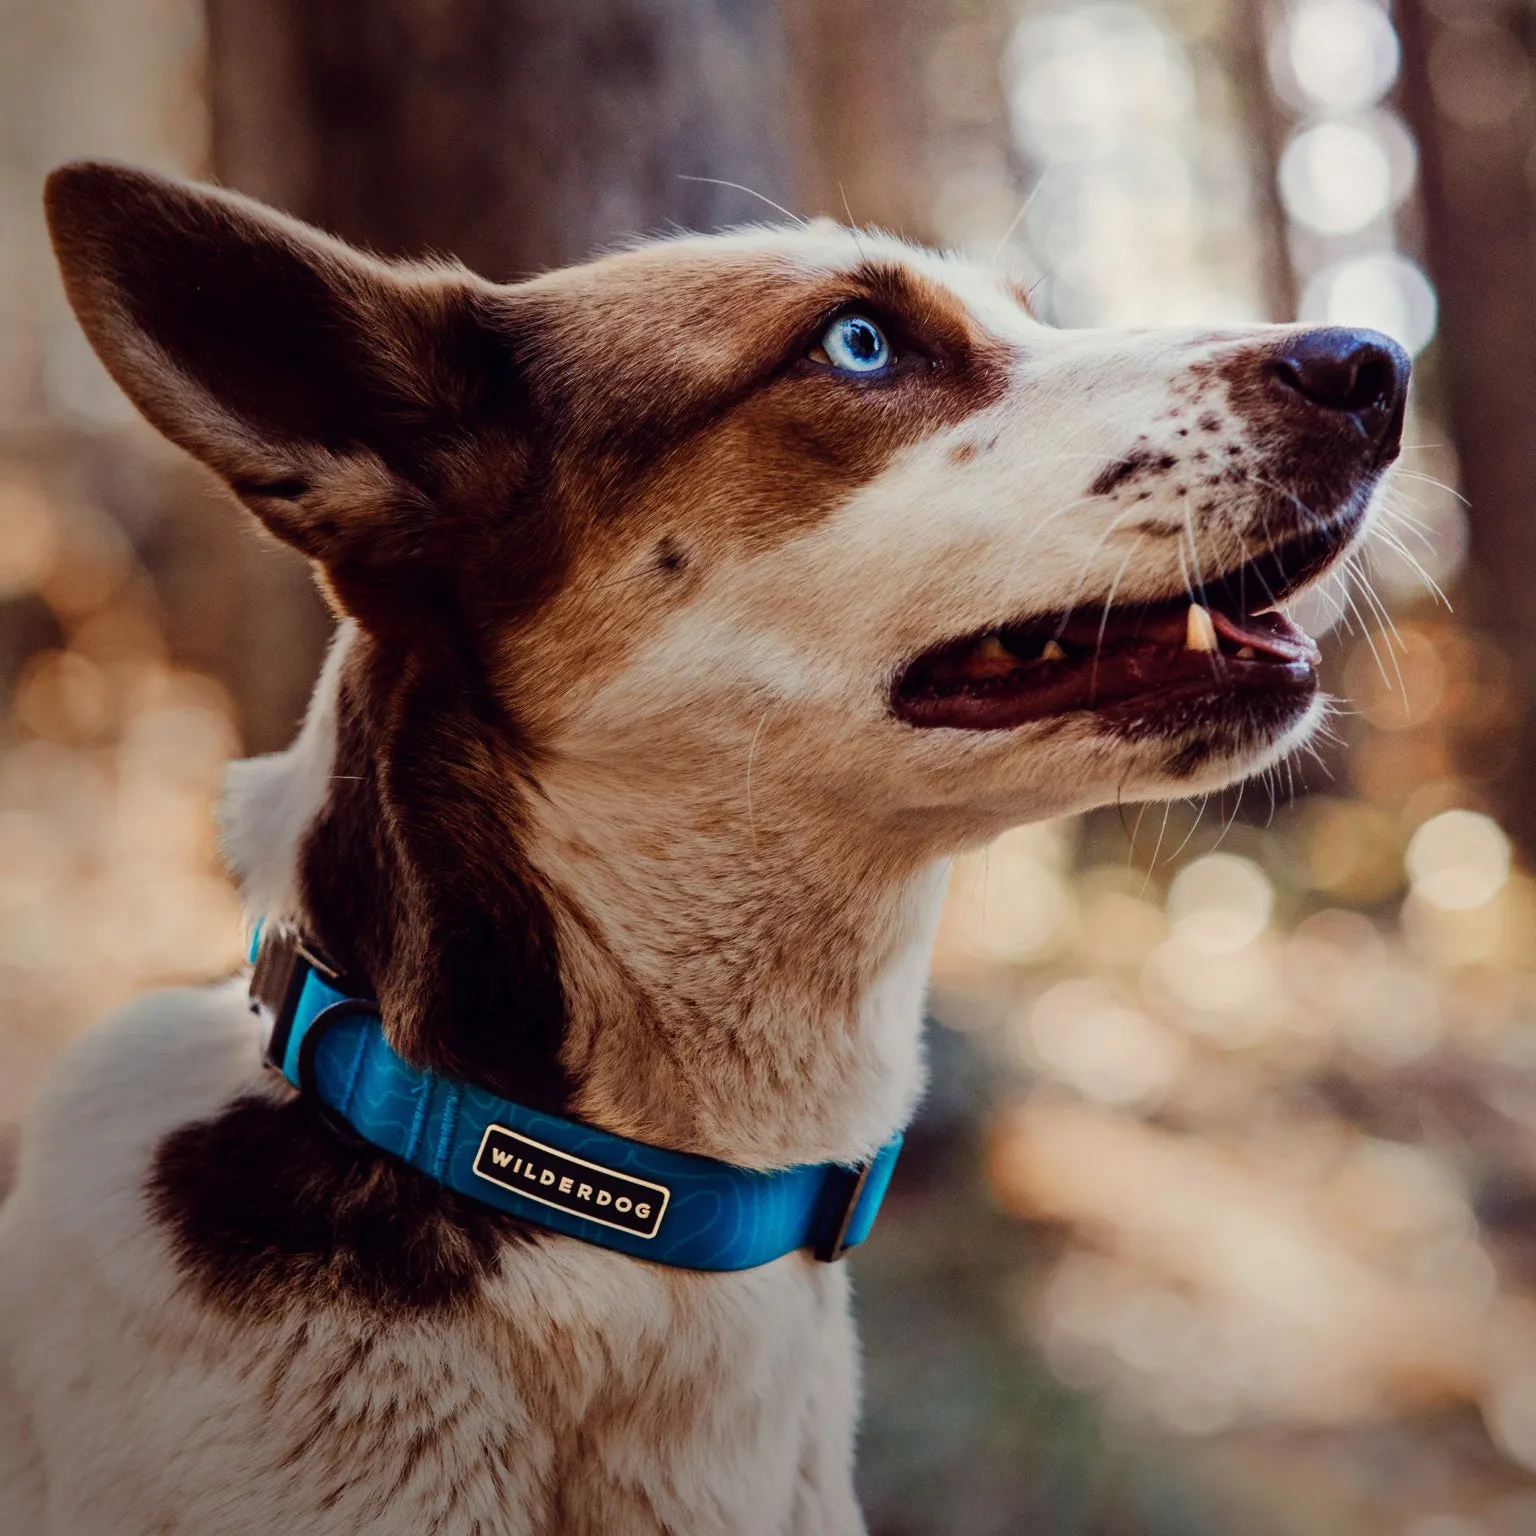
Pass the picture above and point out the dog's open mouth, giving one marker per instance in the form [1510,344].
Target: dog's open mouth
[1122,662]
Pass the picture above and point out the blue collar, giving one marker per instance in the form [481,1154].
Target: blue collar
[670,1207]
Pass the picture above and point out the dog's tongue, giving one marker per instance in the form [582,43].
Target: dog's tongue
[1273,633]
[1193,627]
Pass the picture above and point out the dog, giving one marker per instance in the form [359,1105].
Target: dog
[696,605]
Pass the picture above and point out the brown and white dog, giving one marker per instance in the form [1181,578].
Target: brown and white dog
[697,604]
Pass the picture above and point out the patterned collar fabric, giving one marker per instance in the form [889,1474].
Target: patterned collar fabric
[670,1207]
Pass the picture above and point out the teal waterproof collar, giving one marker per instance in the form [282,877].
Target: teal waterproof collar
[670,1207]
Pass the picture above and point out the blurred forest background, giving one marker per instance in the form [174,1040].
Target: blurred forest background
[1221,1217]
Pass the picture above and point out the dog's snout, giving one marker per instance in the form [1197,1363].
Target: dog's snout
[1359,374]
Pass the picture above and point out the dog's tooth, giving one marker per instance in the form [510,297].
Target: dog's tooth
[1199,632]
[1245,653]
[1051,651]
[992,649]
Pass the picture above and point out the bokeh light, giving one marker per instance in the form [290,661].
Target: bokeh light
[1339,55]
[1220,903]
[1130,175]
[1335,178]
[1457,860]
[1088,79]
[1082,1035]
[29,537]
[1338,177]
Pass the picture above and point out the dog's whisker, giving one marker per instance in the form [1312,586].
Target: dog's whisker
[1189,591]
[1367,636]
[1132,833]
[1194,551]
[1440,485]
[1109,603]
[1252,565]
[1357,569]
[853,228]
[1394,543]
[1157,847]
[1093,555]
[736,186]
[1029,293]
[1391,639]
[1020,216]
[1405,503]
[1229,821]
[751,754]
[1194,827]
[1395,515]
[1272,787]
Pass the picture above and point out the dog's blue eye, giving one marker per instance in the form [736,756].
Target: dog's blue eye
[856,345]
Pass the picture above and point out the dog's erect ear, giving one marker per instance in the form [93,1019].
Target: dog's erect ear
[316,380]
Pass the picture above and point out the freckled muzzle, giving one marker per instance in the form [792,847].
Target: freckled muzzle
[1327,407]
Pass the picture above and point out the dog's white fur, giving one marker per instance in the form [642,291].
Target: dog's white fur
[751,723]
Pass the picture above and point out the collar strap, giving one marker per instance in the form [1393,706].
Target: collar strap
[670,1207]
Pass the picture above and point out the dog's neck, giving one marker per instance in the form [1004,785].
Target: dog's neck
[731,985]
[752,991]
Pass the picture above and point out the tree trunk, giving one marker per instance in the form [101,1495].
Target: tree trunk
[513,134]
[1244,43]
[859,90]
[1467,93]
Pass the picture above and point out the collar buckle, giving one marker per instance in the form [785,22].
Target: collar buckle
[834,1243]
[283,964]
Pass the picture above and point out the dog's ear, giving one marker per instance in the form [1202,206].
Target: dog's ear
[321,383]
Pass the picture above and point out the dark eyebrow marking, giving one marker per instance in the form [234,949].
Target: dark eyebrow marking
[931,313]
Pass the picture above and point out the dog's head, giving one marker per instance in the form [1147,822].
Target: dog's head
[807,471]
[825,525]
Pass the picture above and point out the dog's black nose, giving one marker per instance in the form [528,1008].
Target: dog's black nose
[1359,374]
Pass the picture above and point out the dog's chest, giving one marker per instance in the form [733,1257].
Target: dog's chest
[538,1411]
[463,1427]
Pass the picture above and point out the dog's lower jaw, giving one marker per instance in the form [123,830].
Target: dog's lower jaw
[1207,762]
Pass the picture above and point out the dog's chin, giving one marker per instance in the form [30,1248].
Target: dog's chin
[1220,746]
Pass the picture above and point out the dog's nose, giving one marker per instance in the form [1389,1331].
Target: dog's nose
[1359,374]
